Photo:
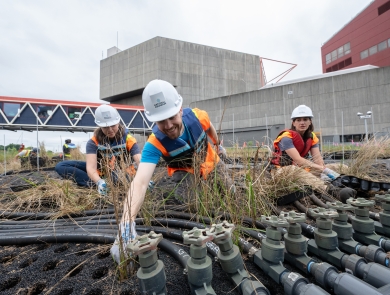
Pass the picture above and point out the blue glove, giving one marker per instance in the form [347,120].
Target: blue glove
[128,234]
[151,185]
[330,173]
[102,187]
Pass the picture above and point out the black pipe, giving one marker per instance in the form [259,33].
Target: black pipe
[318,202]
[57,238]
[167,246]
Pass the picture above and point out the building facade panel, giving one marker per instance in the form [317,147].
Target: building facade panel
[331,109]
[199,71]
[361,42]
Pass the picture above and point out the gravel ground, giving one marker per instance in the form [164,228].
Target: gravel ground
[36,269]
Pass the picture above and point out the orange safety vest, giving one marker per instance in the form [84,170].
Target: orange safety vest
[111,153]
[281,158]
[179,154]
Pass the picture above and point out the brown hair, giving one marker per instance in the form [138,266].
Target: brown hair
[102,138]
[308,132]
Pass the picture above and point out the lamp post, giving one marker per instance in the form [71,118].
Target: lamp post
[365,117]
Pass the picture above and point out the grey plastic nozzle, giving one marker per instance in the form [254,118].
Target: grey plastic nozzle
[340,206]
[274,221]
[360,202]
[323,213]
[292,217]
[151,274]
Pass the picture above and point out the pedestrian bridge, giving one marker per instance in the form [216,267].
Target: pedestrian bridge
[30,114]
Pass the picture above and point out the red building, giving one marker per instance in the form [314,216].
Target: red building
[365,40]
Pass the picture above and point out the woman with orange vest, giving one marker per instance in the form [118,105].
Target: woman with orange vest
[292,147]
[180,136]
[111,142]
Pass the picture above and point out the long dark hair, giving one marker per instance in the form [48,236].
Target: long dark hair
[308,132]
[102,138]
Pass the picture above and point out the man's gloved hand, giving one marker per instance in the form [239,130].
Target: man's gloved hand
[127,233]
[102,187]
[151,185]
[324,177]
[221,150]
[330,173]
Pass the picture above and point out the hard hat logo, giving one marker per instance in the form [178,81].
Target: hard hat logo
[158,100]
[106,115]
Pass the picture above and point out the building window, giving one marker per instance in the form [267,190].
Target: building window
[373,50]
[382,46]
[44,111]
[383,8]
[347,48]
[11,109]
[364,54]
[74,113]
[340,52]
[328,70]
[334,55]
[348,61]
[388,43]
[328,58]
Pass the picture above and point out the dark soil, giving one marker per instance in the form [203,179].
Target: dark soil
[70,268]
[89,269]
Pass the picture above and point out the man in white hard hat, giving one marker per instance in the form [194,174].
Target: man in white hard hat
[179,136]
[292,148]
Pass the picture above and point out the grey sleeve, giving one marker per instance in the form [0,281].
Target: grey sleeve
[285,144]
[91,147]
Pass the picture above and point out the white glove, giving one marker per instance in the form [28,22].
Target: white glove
[330,173]
[151,185]
[325,177]
[221,150]
[102,187]
[128,234]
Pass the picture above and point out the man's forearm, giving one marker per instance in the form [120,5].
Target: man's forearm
[133,202]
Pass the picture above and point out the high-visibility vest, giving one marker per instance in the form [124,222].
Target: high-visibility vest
[179,154]
[110,154]
[303,147]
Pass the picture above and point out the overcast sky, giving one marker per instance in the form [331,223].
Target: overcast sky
[52,49]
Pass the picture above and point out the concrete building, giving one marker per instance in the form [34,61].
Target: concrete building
[198,72]
[335,99]
[365,40]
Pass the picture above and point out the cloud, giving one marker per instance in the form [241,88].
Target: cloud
[52,49]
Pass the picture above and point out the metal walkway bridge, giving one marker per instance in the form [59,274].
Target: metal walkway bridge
[30,114]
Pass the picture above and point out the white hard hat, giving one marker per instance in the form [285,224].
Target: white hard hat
[302,111]
[161,100]
[106,116]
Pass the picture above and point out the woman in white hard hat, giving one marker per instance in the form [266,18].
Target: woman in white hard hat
[293,146]
[111,142]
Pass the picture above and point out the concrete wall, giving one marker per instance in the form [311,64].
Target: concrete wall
[197,71]
[330,98]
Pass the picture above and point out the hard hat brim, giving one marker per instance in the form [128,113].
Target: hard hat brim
[165,115]
[108,124]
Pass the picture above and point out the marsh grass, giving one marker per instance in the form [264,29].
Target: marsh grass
[364,163]
[61,197]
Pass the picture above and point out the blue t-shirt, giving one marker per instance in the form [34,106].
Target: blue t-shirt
[151,154]
[286,143]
